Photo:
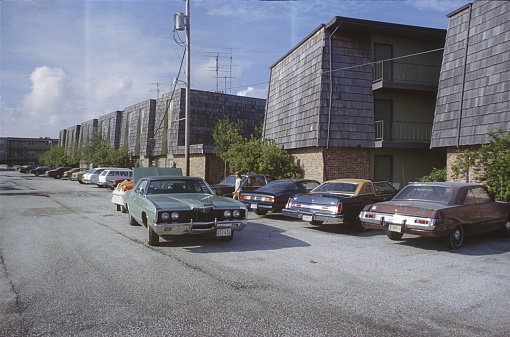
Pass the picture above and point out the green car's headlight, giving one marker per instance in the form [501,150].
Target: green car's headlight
[165,216]
[175,216]
[236,213]
[227,214]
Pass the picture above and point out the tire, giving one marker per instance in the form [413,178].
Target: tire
[315,222]
[153,237]
[227,238]
[456,238]
[57,176]
[356,224]
[394,235]
[37,174]
[259,212]
[80,181]
[132,220]
[505,230]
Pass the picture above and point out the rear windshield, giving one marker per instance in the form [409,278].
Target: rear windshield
[427,193]
[336,187]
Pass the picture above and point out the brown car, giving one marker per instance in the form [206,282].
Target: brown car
[446,209]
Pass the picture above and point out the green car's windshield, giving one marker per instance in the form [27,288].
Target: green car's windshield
[177,186]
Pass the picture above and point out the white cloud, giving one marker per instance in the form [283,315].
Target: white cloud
[252,92]
[47,95]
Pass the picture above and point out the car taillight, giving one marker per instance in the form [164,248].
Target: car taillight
[289,203]
[370,216]
[339,209]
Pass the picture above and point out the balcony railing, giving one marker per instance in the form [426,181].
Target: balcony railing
[399,72]
[403,131]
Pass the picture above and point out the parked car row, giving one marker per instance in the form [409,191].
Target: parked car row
[447,210]
[102,177]
[176,205]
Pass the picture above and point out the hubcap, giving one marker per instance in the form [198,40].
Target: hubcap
[507,225]
[456,235]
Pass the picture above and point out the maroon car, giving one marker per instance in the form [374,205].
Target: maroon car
[444,209]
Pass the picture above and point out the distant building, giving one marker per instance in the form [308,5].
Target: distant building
[356,99]
[24,151]
[474,87]
[153,131]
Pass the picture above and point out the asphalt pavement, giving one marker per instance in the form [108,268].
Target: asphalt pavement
[71,265]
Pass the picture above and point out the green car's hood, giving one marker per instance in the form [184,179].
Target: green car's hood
[193,200]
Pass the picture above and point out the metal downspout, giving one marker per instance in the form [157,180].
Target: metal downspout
[324,175]
[464,77]
[331,81]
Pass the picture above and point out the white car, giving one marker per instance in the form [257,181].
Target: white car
[92,176]
[111,174]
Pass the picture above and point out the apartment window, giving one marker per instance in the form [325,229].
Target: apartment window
[383,70]
[383,168]
[383,116]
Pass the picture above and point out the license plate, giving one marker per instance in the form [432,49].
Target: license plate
[253,206]
[307,217]
[395,228]
[223,232]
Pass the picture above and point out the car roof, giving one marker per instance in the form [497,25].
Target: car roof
[455,184]
[293,180]
[348,180]
[171,177]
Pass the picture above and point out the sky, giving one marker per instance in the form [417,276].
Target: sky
[66,62]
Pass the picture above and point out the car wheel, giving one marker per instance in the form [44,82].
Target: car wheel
[395,236]
[227,238]
[132,220]
[315,222]
[456,237]
[259,212]
[57,176]
[153,237]
[80,181]
[505,230]
[356,224]
[36,174]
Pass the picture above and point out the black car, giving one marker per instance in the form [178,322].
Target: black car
[274,196]
[26,168]
[57,173]
[250,182]
[40,170]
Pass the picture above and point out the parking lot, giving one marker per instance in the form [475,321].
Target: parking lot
[72,265]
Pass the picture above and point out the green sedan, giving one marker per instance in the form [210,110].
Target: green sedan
[176,205]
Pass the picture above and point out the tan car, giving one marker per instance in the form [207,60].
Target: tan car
[69,174]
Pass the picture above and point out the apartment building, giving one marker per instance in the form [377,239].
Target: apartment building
[356,99]
[474,87]
[154,130]
[24,151]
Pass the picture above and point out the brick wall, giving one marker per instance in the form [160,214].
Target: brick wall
[347,162]
[452,155]
[336,162]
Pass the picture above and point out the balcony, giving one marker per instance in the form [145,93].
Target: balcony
[405,76]
[402,134]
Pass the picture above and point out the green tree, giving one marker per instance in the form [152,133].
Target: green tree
[100,154]
[252,155]
[56,157]
[490,164]
[435,175]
